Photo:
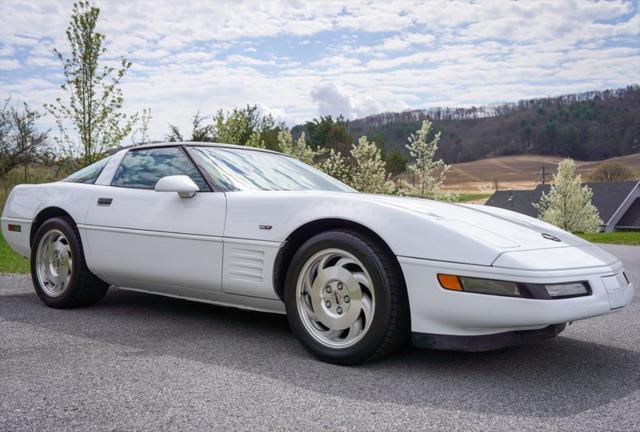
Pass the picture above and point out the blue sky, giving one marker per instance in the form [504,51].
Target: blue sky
[298,60]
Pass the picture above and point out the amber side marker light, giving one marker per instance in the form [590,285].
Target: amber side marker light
[450,282]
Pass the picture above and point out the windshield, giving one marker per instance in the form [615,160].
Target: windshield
[251,170]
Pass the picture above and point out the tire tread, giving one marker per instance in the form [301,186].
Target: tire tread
[398,327]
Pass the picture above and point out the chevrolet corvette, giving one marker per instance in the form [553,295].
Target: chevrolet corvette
[356,274]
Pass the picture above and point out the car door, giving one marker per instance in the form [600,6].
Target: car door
[139,238]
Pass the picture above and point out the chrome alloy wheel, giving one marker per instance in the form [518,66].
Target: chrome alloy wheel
[54,263]
[335,298]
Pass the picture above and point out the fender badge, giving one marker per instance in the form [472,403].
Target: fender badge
[551,237]
[265,227]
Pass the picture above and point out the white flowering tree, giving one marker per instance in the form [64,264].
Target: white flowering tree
[369,172]
[568,203]
[429,174]
[335,165]
[299,148]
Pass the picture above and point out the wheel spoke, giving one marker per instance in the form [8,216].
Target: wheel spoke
[354,330]
[362,279]
[346,261]
[309,311]
[367,308]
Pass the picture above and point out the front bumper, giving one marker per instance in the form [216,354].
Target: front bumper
[437,311]
[486,342]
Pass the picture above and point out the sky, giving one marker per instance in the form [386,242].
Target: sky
[301,59]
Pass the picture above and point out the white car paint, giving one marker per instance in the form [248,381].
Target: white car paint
[212,248]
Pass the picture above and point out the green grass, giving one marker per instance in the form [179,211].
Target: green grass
[616,237]
[466,197]
[11,262]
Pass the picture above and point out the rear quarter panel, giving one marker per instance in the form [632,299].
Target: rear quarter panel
[25,202]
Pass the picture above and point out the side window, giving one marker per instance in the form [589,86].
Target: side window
[88,174]
[142,169]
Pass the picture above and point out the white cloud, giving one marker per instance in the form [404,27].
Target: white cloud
[43,61]
[9,64]
[300,59]
[333,100]
[246,60]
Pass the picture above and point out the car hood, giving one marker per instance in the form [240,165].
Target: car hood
[501,229]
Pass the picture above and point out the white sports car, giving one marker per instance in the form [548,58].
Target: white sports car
[356,274]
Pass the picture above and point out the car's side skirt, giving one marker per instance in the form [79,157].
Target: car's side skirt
[222,299]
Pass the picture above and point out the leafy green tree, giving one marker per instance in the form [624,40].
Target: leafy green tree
[396,163]
[429,174]
[247,126]
[255,140]
[94,105]
[327,133]
[568,203]
[233,127]
[299,148]
[369,173]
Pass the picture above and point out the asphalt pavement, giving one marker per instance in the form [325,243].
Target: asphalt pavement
[144,362]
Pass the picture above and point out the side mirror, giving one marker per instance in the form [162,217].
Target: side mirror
[182,184]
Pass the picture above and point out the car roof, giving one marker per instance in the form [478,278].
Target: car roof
[201,144]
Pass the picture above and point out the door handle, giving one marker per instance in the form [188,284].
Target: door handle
[104,202]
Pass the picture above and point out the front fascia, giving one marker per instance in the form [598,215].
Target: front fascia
[439,311]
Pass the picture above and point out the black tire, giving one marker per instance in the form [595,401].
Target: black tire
[390,325]
[84,288]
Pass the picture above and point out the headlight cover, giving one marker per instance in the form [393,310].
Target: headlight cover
[514,289]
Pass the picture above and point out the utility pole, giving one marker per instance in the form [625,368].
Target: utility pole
[543,175]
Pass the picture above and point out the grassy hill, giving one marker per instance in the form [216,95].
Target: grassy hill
[518,172]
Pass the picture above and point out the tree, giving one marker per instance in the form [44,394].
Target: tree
[299,148]
[611,172]
[94,105]
[568,203]
[369,173]
[174,134]
[429,174]
[20,141]
[233,127]
[396,163]
[143,130]
[200,132]
[246,126]
[327,133]
[336,166]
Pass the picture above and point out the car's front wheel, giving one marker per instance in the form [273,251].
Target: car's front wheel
[58,268]
[346,299]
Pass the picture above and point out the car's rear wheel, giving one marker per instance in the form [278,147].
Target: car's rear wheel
[346,299]
[58,268]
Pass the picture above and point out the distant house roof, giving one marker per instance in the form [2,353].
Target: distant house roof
[617,202]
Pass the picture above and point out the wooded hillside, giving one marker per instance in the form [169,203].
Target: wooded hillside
[585,126]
